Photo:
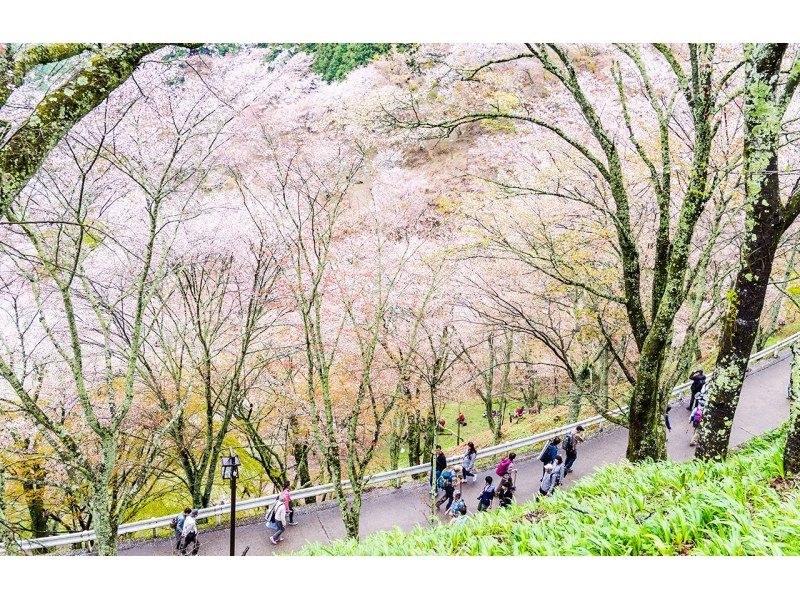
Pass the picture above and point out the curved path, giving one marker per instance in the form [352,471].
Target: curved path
[763,406]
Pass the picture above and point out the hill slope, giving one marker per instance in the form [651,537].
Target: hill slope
[739,507]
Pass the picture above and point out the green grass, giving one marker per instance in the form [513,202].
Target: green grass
[786,331]
[737,507]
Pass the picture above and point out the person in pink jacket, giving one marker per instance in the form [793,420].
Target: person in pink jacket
[287,502]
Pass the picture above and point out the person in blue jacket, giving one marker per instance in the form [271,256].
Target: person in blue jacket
[548,454]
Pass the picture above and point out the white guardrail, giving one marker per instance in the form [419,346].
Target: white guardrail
[378,478]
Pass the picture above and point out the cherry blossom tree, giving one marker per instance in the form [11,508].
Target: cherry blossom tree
[213,322]
[91,271]
[608,152]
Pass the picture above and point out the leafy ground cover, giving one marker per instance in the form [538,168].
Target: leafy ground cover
[738,507]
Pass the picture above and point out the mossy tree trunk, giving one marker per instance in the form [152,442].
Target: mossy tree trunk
[7,529]
[33,484]
[791,450]
[105,69]
[766,219]
[396,429]
[105,518]
[300,452]
[414,437]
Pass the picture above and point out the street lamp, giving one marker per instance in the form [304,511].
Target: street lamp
[230,471]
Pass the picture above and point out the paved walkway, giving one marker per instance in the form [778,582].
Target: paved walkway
[762,408]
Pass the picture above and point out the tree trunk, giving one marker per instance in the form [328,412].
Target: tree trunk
[105,519]
[195,481]
[530,395]
[763,230]
[351,515]
[395,444]
[34,495]
[27,148]
[602,378]
[791,451]
[104,523]
[6,529]
[300,453]
[646,435]
[430,431]
[413,439]
[574,402]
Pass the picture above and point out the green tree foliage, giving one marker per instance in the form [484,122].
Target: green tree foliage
[333,62]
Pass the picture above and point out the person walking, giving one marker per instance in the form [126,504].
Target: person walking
[549,452]
[666,418]
[439,462]
[178,527]
[189,533]
[505,493]
[287,502]
[458,502]
[459,516]
[554,474]
[447,480]
[506,468]
[468,463]
[698,379]
[486,496]
[695,418]
[570,446]
[277,521]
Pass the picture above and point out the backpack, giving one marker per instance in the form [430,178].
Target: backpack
[446,479]
[271,514]
[456,506]
[697,415]
[502,469]
[543,455]
[487,495]
[174,523]
[568,442]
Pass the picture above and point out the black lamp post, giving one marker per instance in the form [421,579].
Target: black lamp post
[230,471]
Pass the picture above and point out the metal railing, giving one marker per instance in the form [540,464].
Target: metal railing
[378,478]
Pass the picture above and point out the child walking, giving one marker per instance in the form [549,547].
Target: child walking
[487,495]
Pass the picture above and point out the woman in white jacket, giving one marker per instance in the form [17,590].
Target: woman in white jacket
[468,462]
[279,518]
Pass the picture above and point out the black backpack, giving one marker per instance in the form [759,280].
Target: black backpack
[567,444]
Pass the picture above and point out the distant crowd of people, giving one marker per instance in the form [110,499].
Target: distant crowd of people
[449,480]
